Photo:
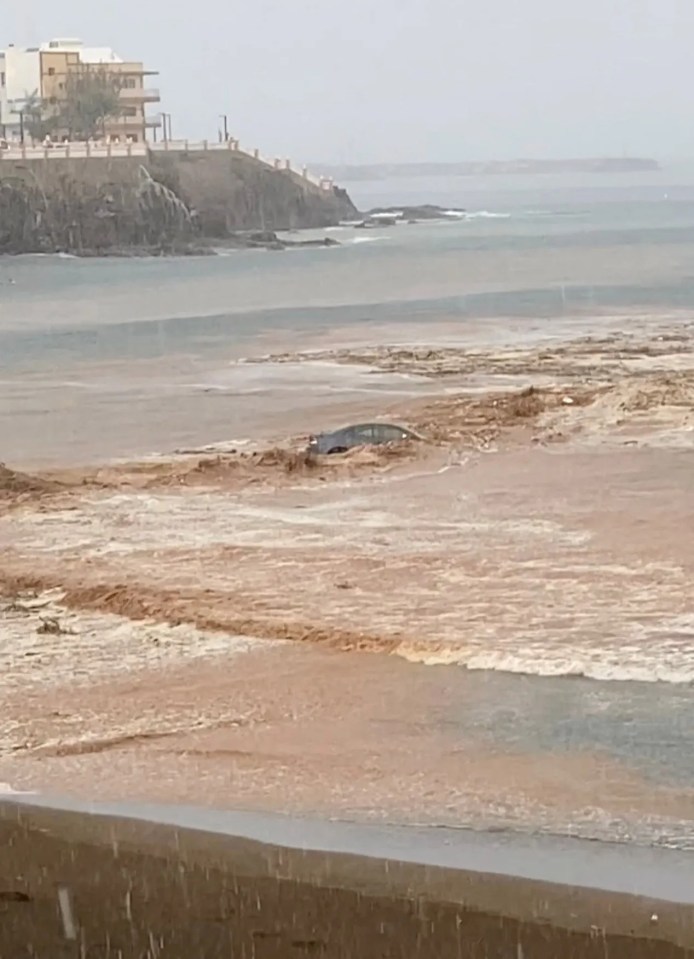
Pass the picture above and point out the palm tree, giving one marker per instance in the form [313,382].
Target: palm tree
[34,117]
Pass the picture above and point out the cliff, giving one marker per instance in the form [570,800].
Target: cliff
[164,202]
[231,192]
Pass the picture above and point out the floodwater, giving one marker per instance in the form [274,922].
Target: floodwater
[126,358]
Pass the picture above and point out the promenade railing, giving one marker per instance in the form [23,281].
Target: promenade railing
[82,149]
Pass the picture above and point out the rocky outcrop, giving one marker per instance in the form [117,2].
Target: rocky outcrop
[170,203]
[231,192]
[409,214]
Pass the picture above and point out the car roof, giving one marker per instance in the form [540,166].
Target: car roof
[358,426]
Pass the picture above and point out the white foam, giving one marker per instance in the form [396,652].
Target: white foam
[613,663]
[7,790]
[367,239]
[481,215]
[55,256]
[97,644]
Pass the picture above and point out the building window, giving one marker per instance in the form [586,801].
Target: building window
[2,79]
[130,112]
[51,71]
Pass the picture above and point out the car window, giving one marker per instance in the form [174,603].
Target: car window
[365,432]
[388,434]
[347,436]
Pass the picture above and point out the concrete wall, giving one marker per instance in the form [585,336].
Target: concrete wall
[23,73]
[22,69]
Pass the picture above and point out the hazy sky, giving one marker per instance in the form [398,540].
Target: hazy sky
[362,80]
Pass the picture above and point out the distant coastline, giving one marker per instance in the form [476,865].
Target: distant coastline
[382,171]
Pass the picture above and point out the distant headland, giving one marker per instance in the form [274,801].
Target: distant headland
[382,171]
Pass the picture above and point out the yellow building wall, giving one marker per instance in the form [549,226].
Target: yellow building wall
[57,65]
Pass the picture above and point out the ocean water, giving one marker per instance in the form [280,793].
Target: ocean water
[85,342]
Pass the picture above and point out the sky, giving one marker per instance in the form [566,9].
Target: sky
[403,80]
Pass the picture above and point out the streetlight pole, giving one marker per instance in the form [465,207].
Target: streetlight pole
[225,119]
[20,114]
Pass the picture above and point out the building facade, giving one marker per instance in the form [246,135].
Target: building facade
[44,74]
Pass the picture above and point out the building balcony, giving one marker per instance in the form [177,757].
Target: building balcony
[125,125]
[140,94]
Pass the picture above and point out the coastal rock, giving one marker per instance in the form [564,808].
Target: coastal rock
[173,203]
[269,240]
[392,215]
[232,192]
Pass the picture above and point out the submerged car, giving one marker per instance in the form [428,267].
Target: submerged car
[365,434]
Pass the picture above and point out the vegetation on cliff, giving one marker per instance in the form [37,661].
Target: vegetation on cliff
[81,217]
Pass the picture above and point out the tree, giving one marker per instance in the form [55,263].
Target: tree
[36,121]
[91,98]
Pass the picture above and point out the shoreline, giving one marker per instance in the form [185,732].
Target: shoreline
[368,739]
[591,865]
[132,883]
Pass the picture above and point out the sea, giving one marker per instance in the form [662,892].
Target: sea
[102,359]
[84,343]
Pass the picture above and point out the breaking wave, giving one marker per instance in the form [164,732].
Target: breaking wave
[666,662]
[366,239]
[478,215]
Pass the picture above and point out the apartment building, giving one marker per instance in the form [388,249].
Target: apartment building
[42,73]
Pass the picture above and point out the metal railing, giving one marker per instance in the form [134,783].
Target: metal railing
[66,151]
[82,149]
[140,94]
[233,146]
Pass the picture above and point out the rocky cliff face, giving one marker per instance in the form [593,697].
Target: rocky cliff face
[171,203]
[231,192]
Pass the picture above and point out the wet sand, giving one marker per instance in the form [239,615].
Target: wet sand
[77,885]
